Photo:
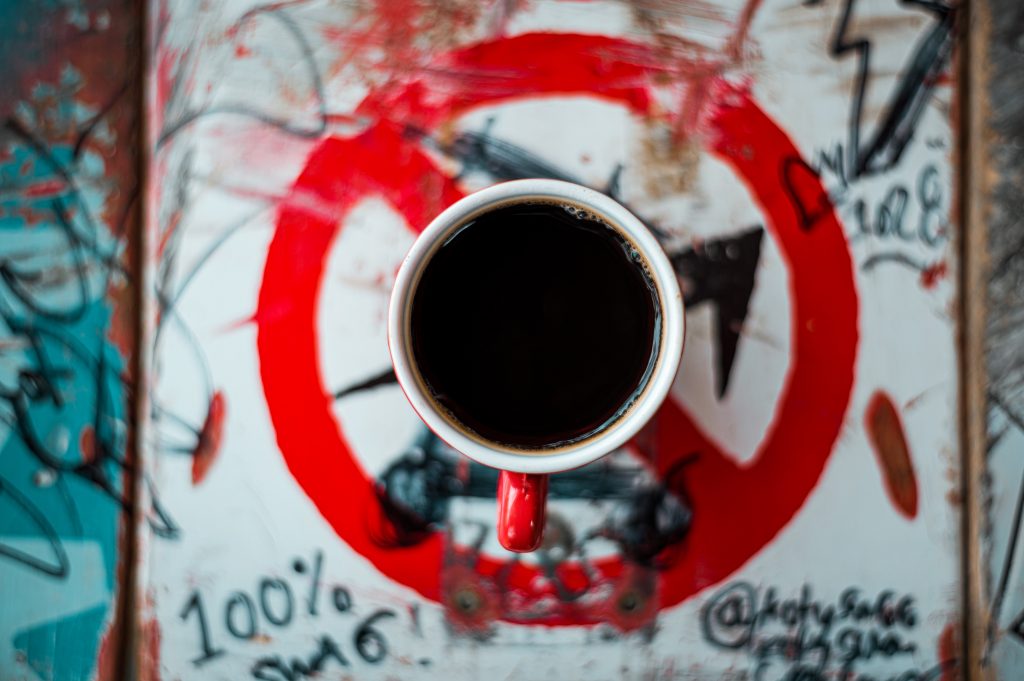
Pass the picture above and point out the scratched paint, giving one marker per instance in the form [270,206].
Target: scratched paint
[67,187]
[799,181]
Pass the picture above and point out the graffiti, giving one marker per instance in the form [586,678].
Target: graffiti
[415,491]
[51,296]
[890,213]
[369,643]
[361,173]
[881,151]
[901,217]
[272,605]
[805,638]
[42,304]
[365,124]
[69,194]
[896,215]
[182,116]
[57,566]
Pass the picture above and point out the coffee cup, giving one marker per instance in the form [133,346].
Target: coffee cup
[535,326]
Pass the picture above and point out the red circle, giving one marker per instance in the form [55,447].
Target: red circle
[737,508]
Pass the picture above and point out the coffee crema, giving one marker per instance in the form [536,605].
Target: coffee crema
[535,325]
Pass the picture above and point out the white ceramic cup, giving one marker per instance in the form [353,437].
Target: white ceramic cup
[522,486]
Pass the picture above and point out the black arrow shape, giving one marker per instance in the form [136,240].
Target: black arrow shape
[722,272]
[719,272]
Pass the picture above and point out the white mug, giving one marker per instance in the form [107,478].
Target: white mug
[522,486]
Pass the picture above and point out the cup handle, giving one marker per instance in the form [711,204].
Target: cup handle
[522,501]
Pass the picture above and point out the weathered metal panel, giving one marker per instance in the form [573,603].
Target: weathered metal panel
[793,511]
[69,190]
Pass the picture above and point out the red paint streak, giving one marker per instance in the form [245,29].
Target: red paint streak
[87,444]
[738,509]
[888,439]
[242,50]
[44,188]
[149,650]
[949,652]
[108,653]
[121,330]
[945,78]
[210,438]
[533,65]
[339,173]
[166,68]
[931,275]
[738,40]
[165,237]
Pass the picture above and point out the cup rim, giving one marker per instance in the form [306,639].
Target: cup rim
[572,455]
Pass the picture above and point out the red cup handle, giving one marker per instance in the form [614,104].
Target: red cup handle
[522,500]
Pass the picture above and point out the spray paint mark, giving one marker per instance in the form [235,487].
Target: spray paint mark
[210,437]
[932,274]
[888,439]
[948,646]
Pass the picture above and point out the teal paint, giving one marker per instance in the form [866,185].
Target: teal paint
[62,399]
[75,634]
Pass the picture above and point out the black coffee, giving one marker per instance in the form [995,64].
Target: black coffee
[535,324]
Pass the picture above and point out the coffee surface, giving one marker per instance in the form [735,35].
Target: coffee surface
[535,325]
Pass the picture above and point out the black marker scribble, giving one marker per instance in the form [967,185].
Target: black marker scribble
[56,567]
[870,154]
[892,257]
[276,12]
[1016,627]
[59,369]
[820,207]
[416,489]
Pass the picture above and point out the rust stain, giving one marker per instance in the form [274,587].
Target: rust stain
[210,437]
[87,444]
[450,22]
[121,331]
[633,604]
[888,439]
[669,163]
[471,602]
[149,650]
[954,498]
[109,654]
